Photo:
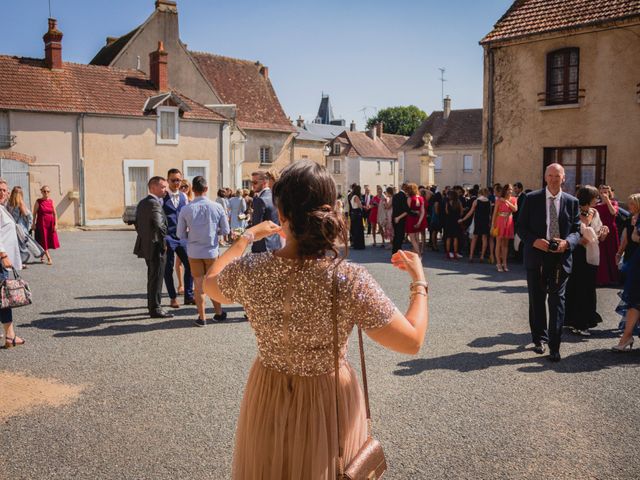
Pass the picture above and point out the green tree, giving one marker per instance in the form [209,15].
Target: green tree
[399,120]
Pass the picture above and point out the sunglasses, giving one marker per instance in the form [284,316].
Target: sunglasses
[45,191]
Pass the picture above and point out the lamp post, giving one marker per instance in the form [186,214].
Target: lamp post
[427,164]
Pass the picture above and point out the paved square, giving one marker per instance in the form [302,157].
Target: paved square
[159,399]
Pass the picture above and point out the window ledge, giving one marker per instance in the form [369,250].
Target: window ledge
[564,106]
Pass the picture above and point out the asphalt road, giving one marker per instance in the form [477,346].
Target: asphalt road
[160,399]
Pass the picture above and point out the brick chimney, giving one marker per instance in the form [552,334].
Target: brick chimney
[53,46]
[352,127]
[264,71]
[380,129]
[300,121]
[373,132]
[158,67]
[166,6]
[447,107]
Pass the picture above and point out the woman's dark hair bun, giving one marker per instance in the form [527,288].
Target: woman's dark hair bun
[305,194]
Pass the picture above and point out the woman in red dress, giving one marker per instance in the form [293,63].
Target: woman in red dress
[506,206]
[608,209]
[417,217]
[373,214]
[45,223]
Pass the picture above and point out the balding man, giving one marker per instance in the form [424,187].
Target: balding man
[549,226]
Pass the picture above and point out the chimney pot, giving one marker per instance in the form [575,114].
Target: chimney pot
[159,71]
[166,6]
[447,107]
[53,46]
[352,127]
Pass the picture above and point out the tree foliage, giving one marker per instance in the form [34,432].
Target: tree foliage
[399,120]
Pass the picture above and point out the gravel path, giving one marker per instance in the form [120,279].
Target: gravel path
[160,399]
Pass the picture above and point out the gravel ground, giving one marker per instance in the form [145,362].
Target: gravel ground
[160,399]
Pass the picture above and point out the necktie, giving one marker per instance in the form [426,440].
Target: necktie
[554,225]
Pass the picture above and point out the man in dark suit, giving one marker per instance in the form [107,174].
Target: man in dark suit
[366,199]
[399,212]
[151,225]
[549,226]
[264,209]
[173,201]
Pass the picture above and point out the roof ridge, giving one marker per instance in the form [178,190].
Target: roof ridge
[197,52]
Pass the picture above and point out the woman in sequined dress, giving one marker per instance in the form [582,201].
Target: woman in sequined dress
[287,426]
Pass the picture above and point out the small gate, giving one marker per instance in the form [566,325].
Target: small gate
[17,174]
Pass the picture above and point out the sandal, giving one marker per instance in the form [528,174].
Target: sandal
[11,342]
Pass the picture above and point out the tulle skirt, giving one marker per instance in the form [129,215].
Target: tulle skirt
[287,425]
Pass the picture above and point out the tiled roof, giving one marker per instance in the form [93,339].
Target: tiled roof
[26,84]
[463,127]
[107,53]
[362,145]
[240,82]
[529,17]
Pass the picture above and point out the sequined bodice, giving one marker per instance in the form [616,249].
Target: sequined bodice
[288,304]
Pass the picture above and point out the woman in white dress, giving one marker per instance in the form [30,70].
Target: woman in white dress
[384,217]
[237,209]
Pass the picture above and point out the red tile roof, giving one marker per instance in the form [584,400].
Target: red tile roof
[463,127]
[26,84]
[241,83]
[359,144]
[529,17]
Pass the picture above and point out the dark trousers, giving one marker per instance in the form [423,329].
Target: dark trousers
[155,274]
[398,235]
[168,273]
[547,284]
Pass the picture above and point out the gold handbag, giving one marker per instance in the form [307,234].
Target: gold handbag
[369,463]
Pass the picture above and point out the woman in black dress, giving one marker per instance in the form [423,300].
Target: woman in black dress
[355,215]
[580,303]
[452,229]
[481,211]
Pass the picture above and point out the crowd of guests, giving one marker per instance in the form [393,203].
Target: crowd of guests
[485,220]
[180,231]
[18,225]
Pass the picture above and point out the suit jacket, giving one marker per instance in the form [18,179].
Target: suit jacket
[532,224]
[151,225]
[263,209]
[399,204]
[172,213]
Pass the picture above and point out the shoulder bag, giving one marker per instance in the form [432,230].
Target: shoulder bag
[369,463]
[14,293]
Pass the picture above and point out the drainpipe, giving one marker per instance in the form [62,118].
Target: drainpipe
[81,186]
[490,108]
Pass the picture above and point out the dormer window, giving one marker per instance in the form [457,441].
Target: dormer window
[168,125]
[562,76]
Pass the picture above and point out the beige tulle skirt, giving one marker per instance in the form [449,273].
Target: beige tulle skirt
[287,425]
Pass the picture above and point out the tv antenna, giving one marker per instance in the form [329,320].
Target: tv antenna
[364,112]
[442,80]
[50,9]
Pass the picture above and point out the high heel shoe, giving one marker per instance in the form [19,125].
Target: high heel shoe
[499,267]
[504,267]
[625,347]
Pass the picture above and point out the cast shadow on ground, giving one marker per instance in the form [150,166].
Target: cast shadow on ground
[464,362]
[115,296]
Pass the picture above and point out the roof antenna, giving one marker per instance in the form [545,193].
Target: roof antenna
[50,9]
[442,80]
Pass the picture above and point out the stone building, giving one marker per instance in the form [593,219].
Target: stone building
[96,134]
[366,158]
[259,133]
[562,84]
[456,138]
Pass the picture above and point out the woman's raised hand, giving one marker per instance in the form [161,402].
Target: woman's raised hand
[264,230]
[409,262]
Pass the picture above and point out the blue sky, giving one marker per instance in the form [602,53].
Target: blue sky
[373,53]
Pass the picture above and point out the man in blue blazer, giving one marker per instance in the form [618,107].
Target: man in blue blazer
[549,226]
[173,202]
[264,209]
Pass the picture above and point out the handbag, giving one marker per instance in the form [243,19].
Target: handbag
[369,463]
[14,293]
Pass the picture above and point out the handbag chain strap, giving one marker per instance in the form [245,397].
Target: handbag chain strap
[336,355]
